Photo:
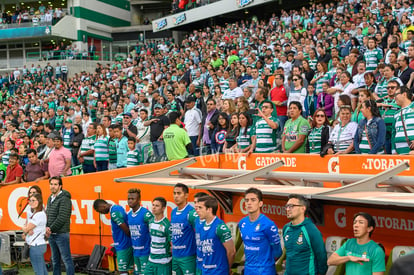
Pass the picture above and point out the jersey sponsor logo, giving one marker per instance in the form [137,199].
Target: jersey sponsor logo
[207,247]
[273,228]
[177,230]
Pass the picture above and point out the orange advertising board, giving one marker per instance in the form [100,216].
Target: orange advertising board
[84,190]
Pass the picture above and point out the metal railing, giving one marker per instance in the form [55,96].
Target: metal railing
[65,55]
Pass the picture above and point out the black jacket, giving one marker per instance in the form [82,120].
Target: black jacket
[58,212]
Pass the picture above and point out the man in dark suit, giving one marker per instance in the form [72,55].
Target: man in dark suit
[208,124]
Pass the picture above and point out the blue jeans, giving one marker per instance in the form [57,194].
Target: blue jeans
[195,150]
[37,259]
[282,120]
[158,147]
[88,168]
[101,165]
[388,146]
[60,246]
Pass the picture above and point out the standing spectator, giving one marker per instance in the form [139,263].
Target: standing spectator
[112,148]
[208,125]
[158,123]
[214,236]
[87,151]
[361,255]
[370,135]
[260,236]
[264,136]
[295,131]
[177,141]
[342,136]
[319,134]
[279,97]
[35,231]
[121,142]
[67,134]
[305,250]
[402,136]
[139,219]
[404,72]
[64,71]
[244,140]
[159,261]
[59,159]
[120,233]
[133,155]
[143,135]
[129,128]
[14,172]
[192,122]
[58,211]
[35,169]
[76,143]
[101,152]
[219,135]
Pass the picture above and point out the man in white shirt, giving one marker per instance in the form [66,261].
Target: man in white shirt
[233,92]
[192,122]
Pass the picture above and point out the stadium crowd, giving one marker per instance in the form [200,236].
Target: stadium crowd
[325,79]
[40,16]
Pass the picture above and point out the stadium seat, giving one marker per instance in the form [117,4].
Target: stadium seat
[397,252]
[332,244]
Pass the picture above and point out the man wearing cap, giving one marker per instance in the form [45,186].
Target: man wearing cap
[158,123]
[192,122]
[129,130]
[67,134]
[60,158]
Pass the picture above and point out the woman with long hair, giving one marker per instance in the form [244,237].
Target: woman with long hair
[228,106]
[242,104]
[34,232]
[232,133]
[319,135]
[244,139]
[76,143]
[363,94]
[370,135]
[219,133]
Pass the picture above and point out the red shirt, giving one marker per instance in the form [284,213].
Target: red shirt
[279,94]
[411,65]
[12,173]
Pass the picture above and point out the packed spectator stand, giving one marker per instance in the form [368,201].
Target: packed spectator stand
[325,79]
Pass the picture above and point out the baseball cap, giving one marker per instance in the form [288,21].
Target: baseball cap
[190,99]
[157,106]
[127,114]
[68,120]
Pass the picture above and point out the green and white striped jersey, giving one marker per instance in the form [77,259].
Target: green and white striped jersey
[400,145]
[133,158]
[88,144]
[266,137]
[160,232]
[372,58]
[101,149]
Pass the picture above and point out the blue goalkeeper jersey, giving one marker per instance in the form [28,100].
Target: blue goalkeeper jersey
[118,217]
[261,242]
